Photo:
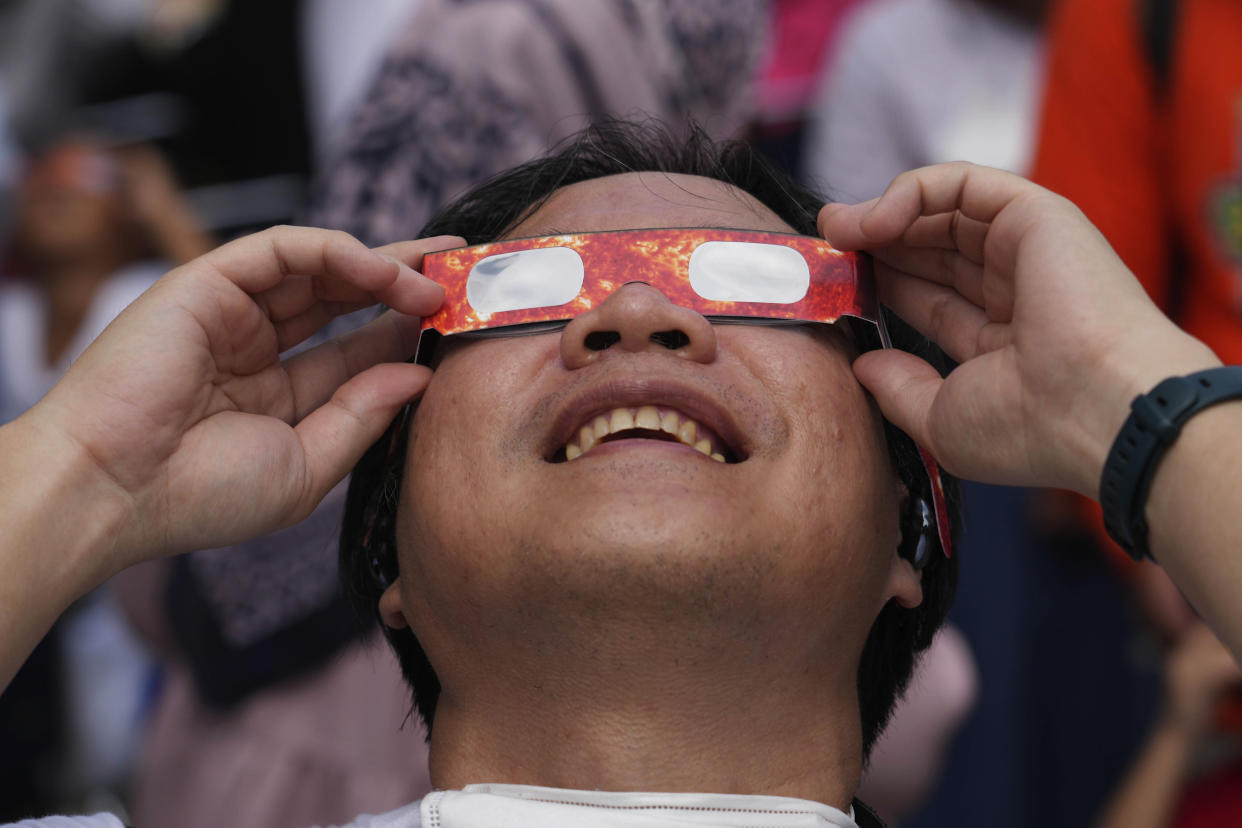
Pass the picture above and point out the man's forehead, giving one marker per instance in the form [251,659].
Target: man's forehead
[648,200]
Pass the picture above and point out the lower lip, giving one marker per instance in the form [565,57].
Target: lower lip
[641,444]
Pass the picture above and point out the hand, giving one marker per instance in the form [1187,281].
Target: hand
[1054,335]
[148,184]
[188,416]
[156,207]
[1197,671]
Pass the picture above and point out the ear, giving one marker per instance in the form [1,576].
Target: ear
[905,583]
[391,611]
[905,577]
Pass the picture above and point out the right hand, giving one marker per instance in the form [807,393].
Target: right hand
[190,422]
[1053,334]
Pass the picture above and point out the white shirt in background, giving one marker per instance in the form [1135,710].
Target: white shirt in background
[919,82]
[343,44]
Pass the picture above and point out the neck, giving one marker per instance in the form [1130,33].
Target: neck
[655,712]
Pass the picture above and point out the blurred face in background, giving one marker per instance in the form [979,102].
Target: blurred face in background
[69,206]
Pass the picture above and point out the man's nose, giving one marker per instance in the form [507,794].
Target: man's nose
[636,318]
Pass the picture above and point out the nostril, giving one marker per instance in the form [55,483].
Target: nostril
[671,339]
[601,340]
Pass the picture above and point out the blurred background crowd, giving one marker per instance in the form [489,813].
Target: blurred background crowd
[231,686]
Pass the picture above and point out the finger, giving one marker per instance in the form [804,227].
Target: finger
[335,435]
[316,374]
[953,322]
[935,264]
[949,231]
[301,327]
[297,295]
[904,387]
[289,297]
[411,252]
[838,223]
[980,193]
[260,262]
[411,296]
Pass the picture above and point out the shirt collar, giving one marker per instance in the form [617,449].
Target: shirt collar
[526,806]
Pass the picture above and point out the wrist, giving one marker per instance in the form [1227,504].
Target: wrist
[57,527]
[67,513]
[1182,722]
[1132,372]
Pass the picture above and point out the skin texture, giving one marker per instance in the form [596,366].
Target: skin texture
[660,556]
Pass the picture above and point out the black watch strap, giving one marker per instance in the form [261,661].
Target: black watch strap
[1155,421]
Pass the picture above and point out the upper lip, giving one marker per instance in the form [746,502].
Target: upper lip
[635,390]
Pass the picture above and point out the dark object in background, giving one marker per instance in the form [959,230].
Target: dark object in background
[33,728]
[279,617]
[234,112]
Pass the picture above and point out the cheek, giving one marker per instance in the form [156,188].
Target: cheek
[477,396]
[807,374]
[462,447]
[833,477]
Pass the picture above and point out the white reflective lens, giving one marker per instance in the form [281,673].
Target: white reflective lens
[538,278]
[727,271]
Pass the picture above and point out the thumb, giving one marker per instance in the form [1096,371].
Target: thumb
[335,435]
[904,386]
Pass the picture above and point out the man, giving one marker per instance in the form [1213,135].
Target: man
[691,620]
[626,620]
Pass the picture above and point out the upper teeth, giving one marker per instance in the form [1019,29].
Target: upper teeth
[684,429]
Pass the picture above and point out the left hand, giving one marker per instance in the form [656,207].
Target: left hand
[1053,334]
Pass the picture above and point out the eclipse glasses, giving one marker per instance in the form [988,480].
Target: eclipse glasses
[523,286]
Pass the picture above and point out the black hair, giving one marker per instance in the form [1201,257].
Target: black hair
[486,213]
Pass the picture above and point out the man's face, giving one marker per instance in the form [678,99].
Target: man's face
[498,531]
[69,204]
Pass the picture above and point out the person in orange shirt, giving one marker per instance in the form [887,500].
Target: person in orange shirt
[1142,128]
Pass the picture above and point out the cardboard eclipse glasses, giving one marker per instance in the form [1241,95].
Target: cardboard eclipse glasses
[521,286]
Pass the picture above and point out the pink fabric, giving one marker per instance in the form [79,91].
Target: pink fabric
[803,34]
[909,755]
[314,751]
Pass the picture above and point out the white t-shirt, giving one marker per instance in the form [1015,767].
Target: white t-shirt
[526,806]
[25,375]
[918,82]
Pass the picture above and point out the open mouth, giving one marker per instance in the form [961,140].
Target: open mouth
[647,422]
